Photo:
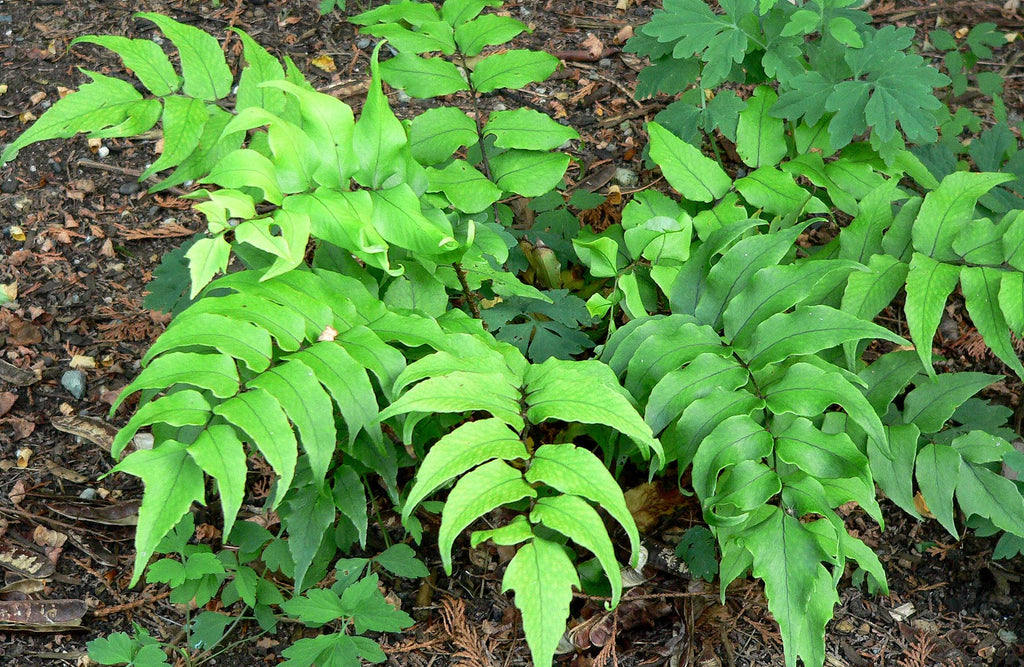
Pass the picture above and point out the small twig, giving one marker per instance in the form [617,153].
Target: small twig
[135,173]
[585,56]
[134,604]
[592,71]
[474,308]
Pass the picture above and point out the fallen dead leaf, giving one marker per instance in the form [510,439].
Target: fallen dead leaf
[649,502]
[22,427]
[93,429]
[82,361]
[623,34]
[7,401]
[17,492]
[922,506]
[593,45]
[64,473]
[41,615]
[8,292]
[324,62]
[23,333]
[24,561]
[19,377]
[329,334]
[45,537]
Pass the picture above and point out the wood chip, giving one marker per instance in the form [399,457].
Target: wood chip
[121,514]
[41,615]
[19,377]
[25,562]
[92,429]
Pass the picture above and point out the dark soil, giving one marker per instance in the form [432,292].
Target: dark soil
[81,239]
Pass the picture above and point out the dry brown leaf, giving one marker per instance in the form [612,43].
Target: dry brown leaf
[7,401]
[593,45]
[17,492]
[22,427]
[623,34]
[41,615]
[64,473]
[45,537]
[649,502]
[82,361]
[922,506]
[24,456]
[324,62]
[22,332]
[8,291]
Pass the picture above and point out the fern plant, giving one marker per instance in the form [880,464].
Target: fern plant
[755,380]
[558,478]
[373,252]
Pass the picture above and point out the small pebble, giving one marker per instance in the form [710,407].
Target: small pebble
[129,188]
[604,63]
[625,177]
[6,18]
[9,186]
[403,97]
[363,43]
[103,151]
[87,494]
[74,382]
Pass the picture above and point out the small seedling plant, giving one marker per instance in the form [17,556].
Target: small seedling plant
[360,303]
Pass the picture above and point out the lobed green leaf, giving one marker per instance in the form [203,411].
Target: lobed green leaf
[512,69]
[182,408]
[173,481]
[144,57]
[575,471]
[479,491]
[576,519]
[585,392]
[461,450]
[260,416]
[542,576]
[219,452]
[203,67]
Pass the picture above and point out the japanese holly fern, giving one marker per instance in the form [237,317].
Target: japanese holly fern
[754,380]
